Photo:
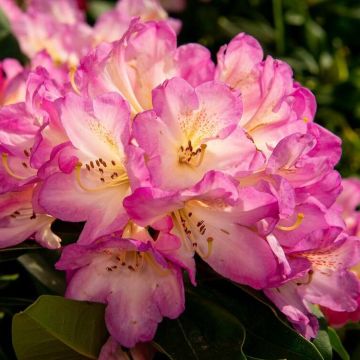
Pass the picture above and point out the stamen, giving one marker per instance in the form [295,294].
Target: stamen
[210,241]
[72,72]
[297,223]
[187,241]
[123,179]
[190,157]
[156,266]
[5,163]
[309,279]
[202,154]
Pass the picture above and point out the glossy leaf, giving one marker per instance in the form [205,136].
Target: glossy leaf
[323,344]
[266,331]
[57,328]
[205,331]
[42,268]
[9,254]
[337,344]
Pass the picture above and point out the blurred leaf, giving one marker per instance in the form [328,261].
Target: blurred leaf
[56,328]
[315,36]
[4,23]
[14,302]
[322,342]
[12,253]
[205,331]
[9,277]
[98,7]
[337,344]
[308,59]
[43,270]
[260,29]
[293,18]
[8,43]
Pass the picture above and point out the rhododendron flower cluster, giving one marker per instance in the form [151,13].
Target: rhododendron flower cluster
[170,159]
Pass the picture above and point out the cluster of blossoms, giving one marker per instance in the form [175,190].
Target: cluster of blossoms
[165,155]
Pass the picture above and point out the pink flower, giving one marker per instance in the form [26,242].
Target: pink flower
[113,24]
[93,180]
[50,26]
[192,131]
[274,105]
[21,220]
[140,61]
[321,262]
[12,82]
[348,201]
[112,350]
[132,276]
[17,133]
[217,220]
[22,134]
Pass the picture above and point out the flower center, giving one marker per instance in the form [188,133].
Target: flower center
[190,156]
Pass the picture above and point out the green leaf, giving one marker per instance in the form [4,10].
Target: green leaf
[8,43]
[266,331]
[322,341]
[337,344]
[98,7]
[205,331]
[57,328]
[323,344]
[42,268]
[9,254]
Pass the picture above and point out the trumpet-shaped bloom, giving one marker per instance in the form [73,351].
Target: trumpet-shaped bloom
[192,131]
[347,202]
[132,277]
[93,180]
[274,105]
[140,61]
[327,280]
[26,135]
[217,221]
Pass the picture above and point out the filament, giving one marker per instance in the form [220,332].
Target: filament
[72,72]
[297,223]
[4,158]
[210,241]
[121,180]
